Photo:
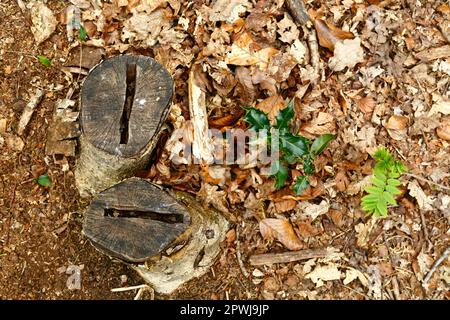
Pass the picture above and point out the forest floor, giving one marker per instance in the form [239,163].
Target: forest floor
[380,77]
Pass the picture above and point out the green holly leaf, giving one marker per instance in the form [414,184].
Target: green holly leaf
[285,116]
[321,143]
[294,146]
[300,184]
[44,181]
[44,60]
[257,119]
[279,171]
[82,34]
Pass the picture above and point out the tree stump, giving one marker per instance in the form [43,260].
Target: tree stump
[124,102]
[175,237]
[134,220]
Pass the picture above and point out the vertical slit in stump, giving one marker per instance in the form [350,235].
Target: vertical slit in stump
[124,103]
[129,97]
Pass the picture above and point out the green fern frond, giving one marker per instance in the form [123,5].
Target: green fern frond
[384,183]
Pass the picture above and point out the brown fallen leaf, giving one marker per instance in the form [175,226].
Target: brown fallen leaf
[285,205]
[337,217]
[324,123]
[246,52]
[366,104]
[443,131]
[228,10]
[347,53]
[287,30]
[210,194]
[245,89]
[396,122]
[397,127]
[306,228]
[271,105]
[329,34]
[280,230]
[342,100]
[342,181]
[227,120]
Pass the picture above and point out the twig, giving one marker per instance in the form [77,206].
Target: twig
[29,110]
[285,257]
[238,254]
[298,11]
[428,181]
[434,268]
[424,227]
[129,288]
[314,53]
[141,291]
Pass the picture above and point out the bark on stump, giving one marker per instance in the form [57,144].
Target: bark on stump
[124,102]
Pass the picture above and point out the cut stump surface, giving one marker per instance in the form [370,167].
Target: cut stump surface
[134,220]
[124,103]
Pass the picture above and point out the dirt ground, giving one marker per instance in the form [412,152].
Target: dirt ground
[40,227]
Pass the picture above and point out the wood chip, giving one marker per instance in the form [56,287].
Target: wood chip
[29,110]
[434,53]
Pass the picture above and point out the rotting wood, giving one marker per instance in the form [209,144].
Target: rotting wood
[285,257]
[124,103]
[202,148]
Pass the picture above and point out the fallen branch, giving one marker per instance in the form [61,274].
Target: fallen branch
[29,110]
[428,181]
[298,11]
[285,257]
[434,268]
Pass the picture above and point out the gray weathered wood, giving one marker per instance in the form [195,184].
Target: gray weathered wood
[104,96]
[134,220]
[192,254]
[124,103]
[285,257]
